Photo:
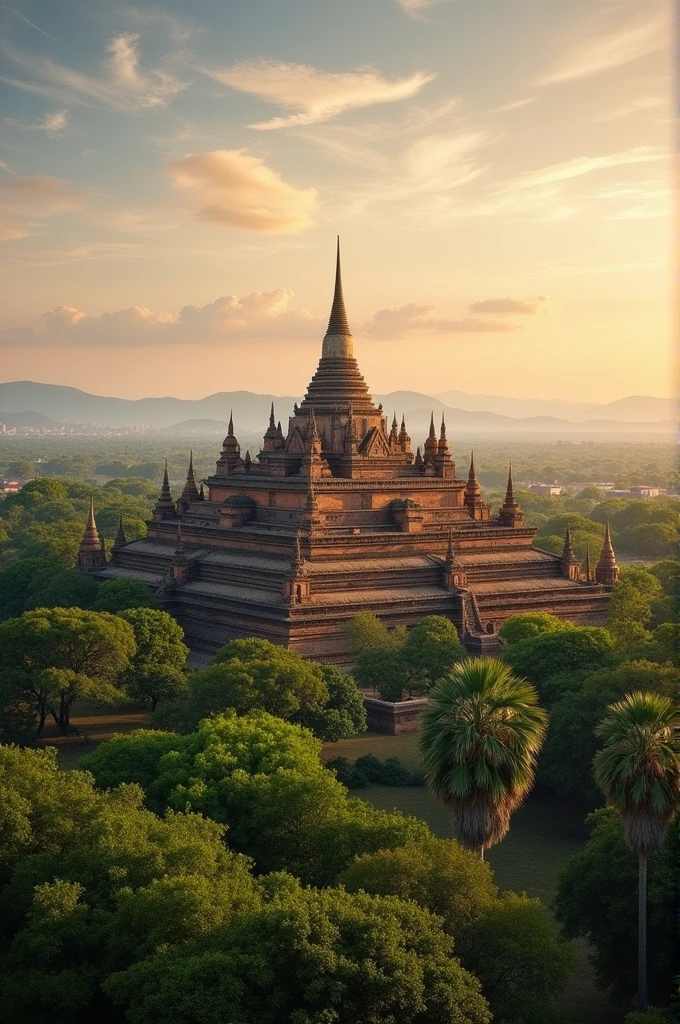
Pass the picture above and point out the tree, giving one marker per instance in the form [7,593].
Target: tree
[91,645]
[650,540]
[249,675]
[566,762]
[433,647]
[513,948]
[530,624]
[61,588]
[480,738]
[165,685]
[568,650]
[638,772]
[309,956]
[382,669]
[23,469]
[668,575]
[343,715]
[119,595]
[366,632]
[159,638]
[16,581]
[42,807]
[56,541]
[438,874]
[261,777]
[99,883]
[594,902]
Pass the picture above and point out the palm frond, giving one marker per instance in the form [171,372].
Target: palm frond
[480,737]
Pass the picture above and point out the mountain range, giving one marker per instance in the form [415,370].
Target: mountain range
[465,413]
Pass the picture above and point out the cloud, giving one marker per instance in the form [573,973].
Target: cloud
[416,318]
[25,201]
[417,8]
[511,307]
[255,316]
[602,50]
[52,124]
[230,186]
[316,95]
[640,103]
[579,166]
[122,85]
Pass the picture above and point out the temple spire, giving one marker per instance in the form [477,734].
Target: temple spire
[165,506]
[606,570]
[589,571]
[190,492]
[91,552]
[510,513]
[272,421]
[338,323]
[120,538]
[473,491]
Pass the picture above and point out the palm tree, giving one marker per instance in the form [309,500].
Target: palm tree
[638,772]
[479,740]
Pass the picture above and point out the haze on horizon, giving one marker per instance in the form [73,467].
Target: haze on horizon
[171,185]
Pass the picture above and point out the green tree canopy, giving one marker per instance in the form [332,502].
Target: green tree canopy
[514,950]
[309,956]
[433,647]
[262,777]
[540,657]
[571,744]
[366,632]
[528,625]
[119,595]
[51,656]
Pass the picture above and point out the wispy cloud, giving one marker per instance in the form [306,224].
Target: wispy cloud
[579,166]
[602,48]
[233,187]
[26,201]
[123,83]
[415,318]
[315,95]
[512,307]
[636,106]
[51,124]
[417,8]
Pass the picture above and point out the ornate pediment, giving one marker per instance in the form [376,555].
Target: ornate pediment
[375,444]
[296,443]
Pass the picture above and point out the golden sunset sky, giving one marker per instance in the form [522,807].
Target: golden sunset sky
[498,170]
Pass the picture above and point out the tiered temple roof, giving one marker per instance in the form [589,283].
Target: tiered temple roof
[336,515]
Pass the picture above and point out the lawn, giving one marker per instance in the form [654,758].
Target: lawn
[545,832]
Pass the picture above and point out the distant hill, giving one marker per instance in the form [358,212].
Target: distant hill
[198,427]
[465,413]
[30,418]
[636,408]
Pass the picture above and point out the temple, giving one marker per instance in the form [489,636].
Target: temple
[336,515]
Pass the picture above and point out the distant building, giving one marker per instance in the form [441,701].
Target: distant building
[10,486]
[336,515]
[550,490]
[644,491]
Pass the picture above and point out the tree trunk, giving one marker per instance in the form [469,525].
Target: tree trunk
[41,724]
[642,931]
[154,703]
[481,853]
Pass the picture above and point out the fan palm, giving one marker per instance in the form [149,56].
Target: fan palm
[479,740]
[638,771]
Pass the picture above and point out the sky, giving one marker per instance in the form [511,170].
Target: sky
[172,180]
